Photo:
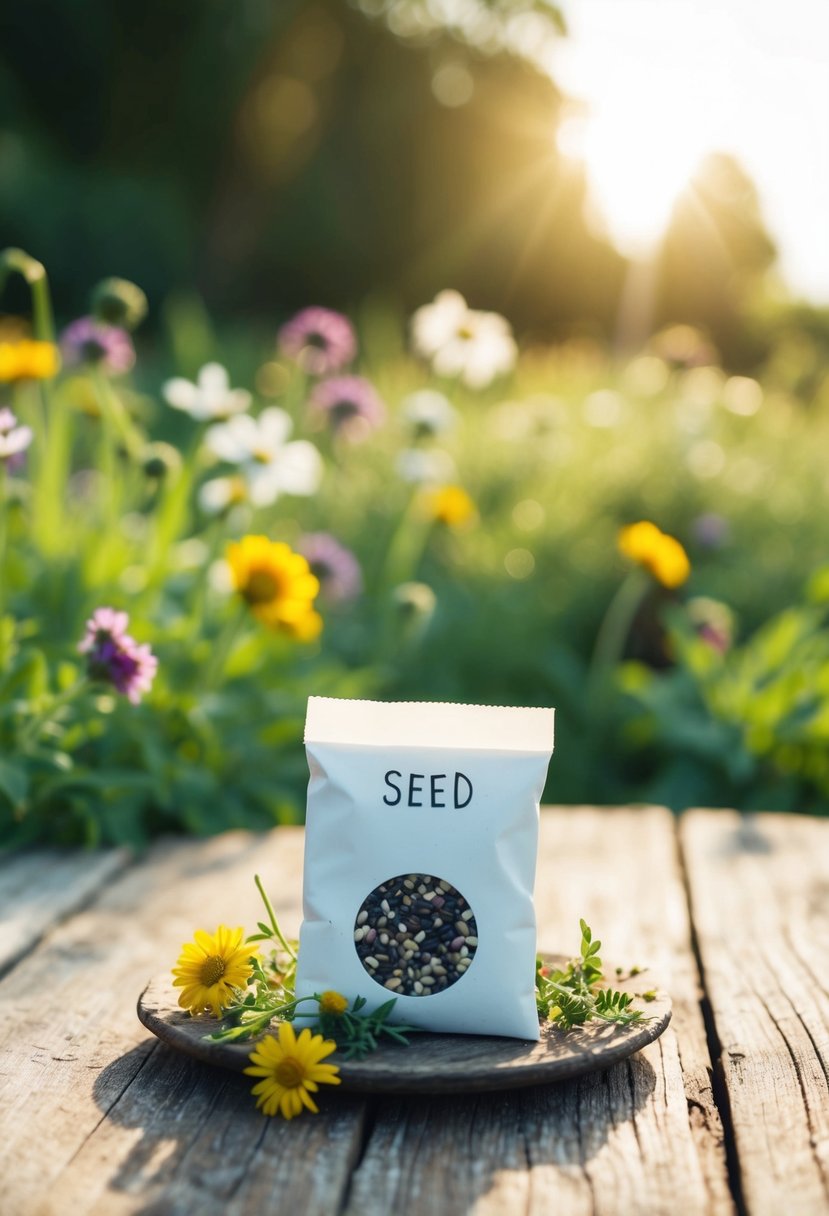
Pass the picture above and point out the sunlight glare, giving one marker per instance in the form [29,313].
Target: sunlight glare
[642,118]
[638,159]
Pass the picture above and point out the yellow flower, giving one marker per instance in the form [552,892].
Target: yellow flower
[277,584]
[291,1070]
[210,968]
[661,555]
[449,505]
[28,360]
[333,1002]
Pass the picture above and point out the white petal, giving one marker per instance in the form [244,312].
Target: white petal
[263,484]
[275,426]
[434,324]
[215,495]
[299,468]
[235,402]
[214,380]
[425,465]
[15,441]
[180,394]
[235,440]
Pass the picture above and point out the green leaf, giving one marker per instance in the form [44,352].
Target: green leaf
[14,782]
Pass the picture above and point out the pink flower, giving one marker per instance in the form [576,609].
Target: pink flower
[89,341]
[116,658]
[319,340]
[336,567]
[350,404]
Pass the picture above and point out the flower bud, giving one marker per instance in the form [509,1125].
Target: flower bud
[119,302]
[160,459]
[414,605]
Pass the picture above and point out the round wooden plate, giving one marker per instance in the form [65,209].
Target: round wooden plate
[433,1063]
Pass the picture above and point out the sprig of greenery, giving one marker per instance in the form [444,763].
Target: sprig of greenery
[575,995]
[356,1033]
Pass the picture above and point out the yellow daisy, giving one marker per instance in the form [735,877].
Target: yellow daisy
[661,555]
[26,359]
[210,967]
[277,584]
[449,505]
[291,1070]
[333,1002]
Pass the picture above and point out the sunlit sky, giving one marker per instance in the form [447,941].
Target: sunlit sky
[667,80]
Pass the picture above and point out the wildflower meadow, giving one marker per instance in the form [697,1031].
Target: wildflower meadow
[200,528]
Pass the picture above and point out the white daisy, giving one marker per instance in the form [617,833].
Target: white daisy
[425,465]
[428,412]
[269,464]
[460,341]
[209,398]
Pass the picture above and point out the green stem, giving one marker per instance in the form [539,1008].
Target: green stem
[171,515]
[277,932]
[35,726]
[34,273]
[114,414]
[613,633]
[222,650]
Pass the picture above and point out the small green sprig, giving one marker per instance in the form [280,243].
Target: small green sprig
[356,1033]
[575,995]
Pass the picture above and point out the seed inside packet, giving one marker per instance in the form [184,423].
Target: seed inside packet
[416,935]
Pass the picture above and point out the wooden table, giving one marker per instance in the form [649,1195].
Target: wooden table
[727,1113]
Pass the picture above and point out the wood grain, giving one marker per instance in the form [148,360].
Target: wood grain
[40,888]
[760,896]
[630,1140]
[95,1117]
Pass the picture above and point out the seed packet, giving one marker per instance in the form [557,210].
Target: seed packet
[420,853]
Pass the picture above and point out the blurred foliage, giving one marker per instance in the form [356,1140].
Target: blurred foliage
[749,727]
[273,152]
[502,606]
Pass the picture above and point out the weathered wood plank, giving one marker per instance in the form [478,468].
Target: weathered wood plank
[132,1127]
[634,1139]
[760,896]
[94,1116]
[40,888]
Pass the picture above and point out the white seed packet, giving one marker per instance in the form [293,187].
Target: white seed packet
[420,854]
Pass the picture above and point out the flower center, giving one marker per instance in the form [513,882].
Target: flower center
[262,456]
[465,332]
[212,970]
[317,341]
[289,1072]
[92,350]
[262,587]
[344,410]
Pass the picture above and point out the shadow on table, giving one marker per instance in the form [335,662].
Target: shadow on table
[203,1145]
[444,1154]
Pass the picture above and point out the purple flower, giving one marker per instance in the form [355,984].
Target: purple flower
[350,404]
[319,340]
[89,341]
[116,658]
[335,566]
[710,531]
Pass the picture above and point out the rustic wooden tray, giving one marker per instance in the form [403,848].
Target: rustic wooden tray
[433,1063]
